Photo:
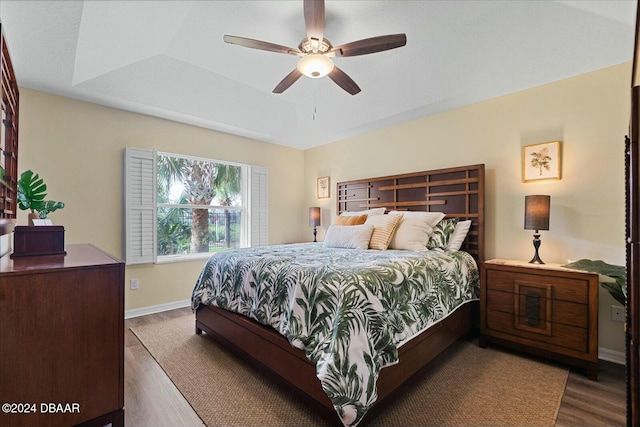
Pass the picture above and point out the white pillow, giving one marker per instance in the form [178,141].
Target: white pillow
[369,212]
[432,217]
[412,234]
[414,230]
[348,236]
[458,236]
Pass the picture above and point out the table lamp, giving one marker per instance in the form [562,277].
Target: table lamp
[536,217]
[314,220]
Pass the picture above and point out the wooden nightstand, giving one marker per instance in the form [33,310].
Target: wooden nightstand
[545,310]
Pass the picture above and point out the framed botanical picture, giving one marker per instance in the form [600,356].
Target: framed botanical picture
[541,162]
[323,187]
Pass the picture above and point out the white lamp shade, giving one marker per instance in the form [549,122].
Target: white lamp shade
[315,65]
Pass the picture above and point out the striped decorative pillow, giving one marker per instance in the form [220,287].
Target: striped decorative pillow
[383,228]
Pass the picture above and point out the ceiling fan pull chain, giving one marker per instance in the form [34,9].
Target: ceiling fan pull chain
[313,92]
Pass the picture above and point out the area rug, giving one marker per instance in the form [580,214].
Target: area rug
[471,386]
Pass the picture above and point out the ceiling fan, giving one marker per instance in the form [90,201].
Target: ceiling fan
[315,51]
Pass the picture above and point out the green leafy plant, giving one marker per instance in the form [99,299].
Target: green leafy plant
[32,192]
[613,278]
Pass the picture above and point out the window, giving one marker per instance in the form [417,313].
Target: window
[179,207]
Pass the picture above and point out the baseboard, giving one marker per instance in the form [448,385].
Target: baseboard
[612,356]
[156,308]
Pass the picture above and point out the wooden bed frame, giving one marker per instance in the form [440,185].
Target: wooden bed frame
[459,192]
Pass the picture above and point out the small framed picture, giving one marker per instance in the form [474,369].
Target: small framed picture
[323,187]
[541,162]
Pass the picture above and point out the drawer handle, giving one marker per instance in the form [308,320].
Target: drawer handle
[532,308]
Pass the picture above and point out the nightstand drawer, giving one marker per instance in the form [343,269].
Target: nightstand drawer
[566,289]
[564,312]
[559,335]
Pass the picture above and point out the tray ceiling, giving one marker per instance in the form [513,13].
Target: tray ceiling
[168,59]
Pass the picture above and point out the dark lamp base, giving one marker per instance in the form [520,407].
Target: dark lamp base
[536,244]
[536,260]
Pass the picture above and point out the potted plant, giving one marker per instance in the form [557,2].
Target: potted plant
[32,192]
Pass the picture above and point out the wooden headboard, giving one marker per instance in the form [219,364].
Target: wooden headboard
[458,192]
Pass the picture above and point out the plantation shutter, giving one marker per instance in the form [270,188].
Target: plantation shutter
[140,205]
[259,212]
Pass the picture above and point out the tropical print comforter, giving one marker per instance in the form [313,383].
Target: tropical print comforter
[349,310]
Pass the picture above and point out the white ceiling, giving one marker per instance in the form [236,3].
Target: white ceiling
[168,59]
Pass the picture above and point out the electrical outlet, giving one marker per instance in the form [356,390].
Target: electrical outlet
[617,313]
[133,283]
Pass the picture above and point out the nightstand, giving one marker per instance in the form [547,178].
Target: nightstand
[541,309]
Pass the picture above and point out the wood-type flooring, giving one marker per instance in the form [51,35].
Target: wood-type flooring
[151,399]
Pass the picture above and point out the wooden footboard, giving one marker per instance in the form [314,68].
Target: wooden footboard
[271,354]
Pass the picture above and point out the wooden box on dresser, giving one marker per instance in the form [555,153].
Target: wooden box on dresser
[62,339]
[542,309]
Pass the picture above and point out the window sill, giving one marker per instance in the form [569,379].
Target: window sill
[168,259]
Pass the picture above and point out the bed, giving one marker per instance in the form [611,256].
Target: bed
[353,338]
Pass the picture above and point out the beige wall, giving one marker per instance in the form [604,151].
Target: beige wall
[588,113]
[77,148]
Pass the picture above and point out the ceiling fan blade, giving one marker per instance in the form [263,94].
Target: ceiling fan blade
[261,45]
[314,19]
[290,79]
[344,81]
[371,45]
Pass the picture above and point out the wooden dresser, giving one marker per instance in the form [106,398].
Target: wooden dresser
[544,310]
[62,339]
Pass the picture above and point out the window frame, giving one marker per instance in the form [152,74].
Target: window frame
[141,207]
[244,223]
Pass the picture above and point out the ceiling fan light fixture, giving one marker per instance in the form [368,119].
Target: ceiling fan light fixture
[315,65]
[316,52]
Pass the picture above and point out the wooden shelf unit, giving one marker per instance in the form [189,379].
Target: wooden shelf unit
[10,101]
